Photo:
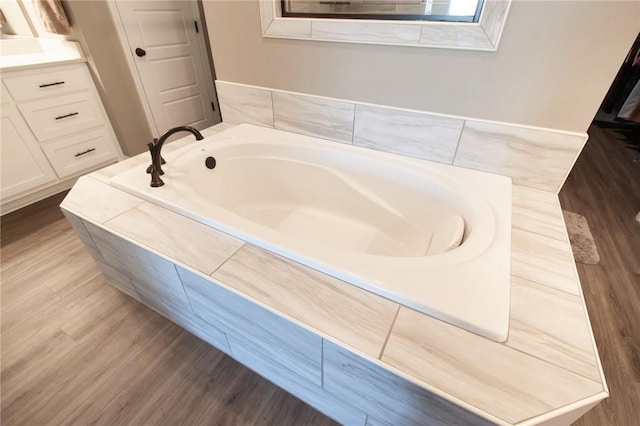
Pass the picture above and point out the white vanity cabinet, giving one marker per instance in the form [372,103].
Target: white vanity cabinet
[54,129]
[22,162]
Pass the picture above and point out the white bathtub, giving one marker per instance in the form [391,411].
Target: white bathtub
[386,223]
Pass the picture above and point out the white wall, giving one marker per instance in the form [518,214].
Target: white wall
[554,65]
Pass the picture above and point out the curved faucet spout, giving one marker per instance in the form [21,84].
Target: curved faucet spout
[155,148]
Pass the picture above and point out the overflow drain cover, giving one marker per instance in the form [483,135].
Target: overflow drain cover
[210,162]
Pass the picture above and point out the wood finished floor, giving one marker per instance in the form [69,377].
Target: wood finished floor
[76,351]
[604,186]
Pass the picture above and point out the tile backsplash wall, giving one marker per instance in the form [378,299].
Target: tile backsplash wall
[408,133]
[244,104]
[532,157]
[314,116]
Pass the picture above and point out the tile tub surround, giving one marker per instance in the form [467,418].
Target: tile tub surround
[532,157]
[547,368]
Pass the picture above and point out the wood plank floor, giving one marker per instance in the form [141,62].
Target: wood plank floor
[76,351]
[604,186]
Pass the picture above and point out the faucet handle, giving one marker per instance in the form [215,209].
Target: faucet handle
[151,145]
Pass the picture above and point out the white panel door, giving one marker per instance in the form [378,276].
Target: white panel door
[165,47]
[23,166]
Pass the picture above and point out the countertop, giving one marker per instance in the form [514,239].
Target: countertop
[548,365]
[26,53]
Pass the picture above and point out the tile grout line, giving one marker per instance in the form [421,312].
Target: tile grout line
[104,224]
[227,259]
[353,124]
[322,340]
[587,398]
[513,274]
[226,338]
[546,361]
[273,111]
[386,340]
[455,153]
[547,287]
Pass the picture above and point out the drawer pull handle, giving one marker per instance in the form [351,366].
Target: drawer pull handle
[60,117]
[85,152]
[51,84]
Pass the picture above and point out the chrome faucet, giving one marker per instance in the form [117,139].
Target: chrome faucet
[156,159]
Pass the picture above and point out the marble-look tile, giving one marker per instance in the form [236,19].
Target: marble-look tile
[543,260]
[266,13]
[83,235]
[566,418]
[313,116]
[455,36]
[539,211]
[532,157]
[551,325]
[448,35]
[356,317]
[117,279]
[152,275]
[250,355]
[383,394]
[408,133]
[493,15]
[372,421]
[507,383]
[179,312]
[152,280]
[96,201]
[298,28]
[210,334]
[244,104]
[185,240]
[365,31]
[271,335]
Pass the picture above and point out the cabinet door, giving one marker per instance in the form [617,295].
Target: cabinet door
[23,165]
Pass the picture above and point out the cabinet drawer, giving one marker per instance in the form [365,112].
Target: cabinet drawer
[54,82]
[64,115]
[78,153]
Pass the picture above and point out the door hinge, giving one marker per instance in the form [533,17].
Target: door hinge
[196,25]
[213,107]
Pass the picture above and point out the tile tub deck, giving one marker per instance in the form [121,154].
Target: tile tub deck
[547,370]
